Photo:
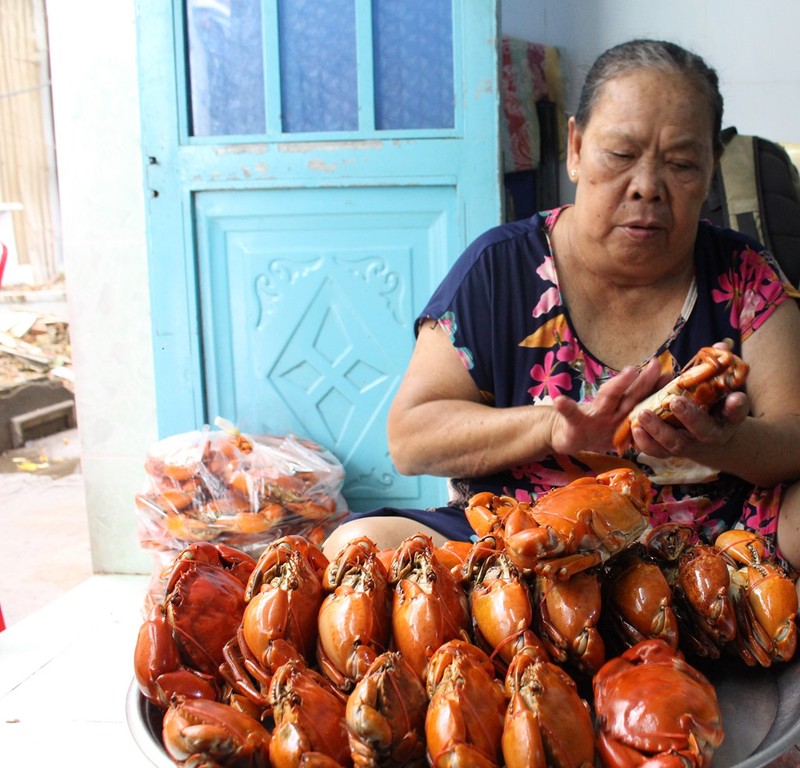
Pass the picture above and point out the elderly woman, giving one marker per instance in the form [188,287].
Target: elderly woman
[546,332]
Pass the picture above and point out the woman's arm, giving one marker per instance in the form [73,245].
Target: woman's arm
[762,446]
[439,424]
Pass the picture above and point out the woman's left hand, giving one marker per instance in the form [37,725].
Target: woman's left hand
[701,432]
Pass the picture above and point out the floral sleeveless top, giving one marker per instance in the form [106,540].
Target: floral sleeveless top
[504,312]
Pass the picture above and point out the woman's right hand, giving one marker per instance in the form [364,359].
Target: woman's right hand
[591,426]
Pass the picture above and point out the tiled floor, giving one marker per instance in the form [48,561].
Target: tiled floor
[44,544]
[66,657]
[65,673]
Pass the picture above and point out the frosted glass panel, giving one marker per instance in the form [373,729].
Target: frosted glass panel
[316,65]
[225,67]
[319,83]
[413,53]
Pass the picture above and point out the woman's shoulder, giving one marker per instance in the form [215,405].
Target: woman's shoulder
[523,234]
[722,249]
[730,241]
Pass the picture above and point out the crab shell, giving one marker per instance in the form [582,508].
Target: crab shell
[578,526]
[284,594]
[547,722]
[704,579]
[650,702]
[204,732]
[464,721]
[766,612]
[706,379]
[700,580]
[429,604]
[569,612]
[638,601]
[354,619]
[310,726]
[765,598]
[501,603]
[386,715]
[179,647]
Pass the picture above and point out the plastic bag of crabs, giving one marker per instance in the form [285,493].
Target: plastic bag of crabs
[222,486]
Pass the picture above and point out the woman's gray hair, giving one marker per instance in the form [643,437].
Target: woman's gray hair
[652,54]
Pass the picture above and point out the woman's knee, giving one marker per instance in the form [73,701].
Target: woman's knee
[788,536]
[388,532]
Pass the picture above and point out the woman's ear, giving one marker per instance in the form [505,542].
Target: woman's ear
[573,148]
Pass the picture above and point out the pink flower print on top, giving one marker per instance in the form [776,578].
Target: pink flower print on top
[547,269]
[728,293]
[767,292]
[554,384]
[552,216]
[547,301]
[689,510]
[542,477]
[594,372]
[749,308]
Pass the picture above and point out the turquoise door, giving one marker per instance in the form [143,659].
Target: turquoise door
[313,169]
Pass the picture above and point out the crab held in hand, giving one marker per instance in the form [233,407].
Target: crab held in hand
[706,379]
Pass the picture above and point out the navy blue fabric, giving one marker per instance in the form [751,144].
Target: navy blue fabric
[449,521]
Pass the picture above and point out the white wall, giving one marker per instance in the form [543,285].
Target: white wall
[95,93]
[753,46]
[96,115]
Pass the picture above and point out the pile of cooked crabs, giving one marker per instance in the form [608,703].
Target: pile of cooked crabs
[570,633]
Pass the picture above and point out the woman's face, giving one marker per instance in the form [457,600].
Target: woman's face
[643,163]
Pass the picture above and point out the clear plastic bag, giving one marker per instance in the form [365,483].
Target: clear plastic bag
[244,491]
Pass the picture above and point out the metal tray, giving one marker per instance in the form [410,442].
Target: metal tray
[760,713]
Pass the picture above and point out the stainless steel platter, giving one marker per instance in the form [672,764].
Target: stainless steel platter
[760,711]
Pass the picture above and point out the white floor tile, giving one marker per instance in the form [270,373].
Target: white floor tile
[65,672]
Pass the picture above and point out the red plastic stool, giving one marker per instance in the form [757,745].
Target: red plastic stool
[3,259]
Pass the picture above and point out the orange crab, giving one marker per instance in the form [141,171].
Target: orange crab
[501,604]
[279,622]
[385,715]
[765,600]
[638,600]
[429,604]
[547,722]
[204,732]
[464,721]
[310,723]
[568,529]
[653,708]
[179,647]
[354,620]
[567,620]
